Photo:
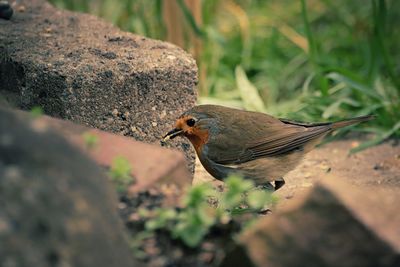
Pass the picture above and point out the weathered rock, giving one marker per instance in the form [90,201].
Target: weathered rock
[57,208]
[334,225]
[83,69]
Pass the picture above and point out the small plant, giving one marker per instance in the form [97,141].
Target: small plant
[36,112]
[120,173]
[193,221]
[91,140]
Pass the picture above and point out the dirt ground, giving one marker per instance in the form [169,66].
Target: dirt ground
[377,166]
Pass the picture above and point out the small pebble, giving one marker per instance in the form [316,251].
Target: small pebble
[355,144]
[163,114]
[4,226]
[206,257]
[115,112]
[378,166]
[208,246]
[153,191]
[121,205]
[306,184]
[150,247]
[21,8]
[134,217]
[177,253]
[158,262]
[289,196]
[264,212]
[170,57]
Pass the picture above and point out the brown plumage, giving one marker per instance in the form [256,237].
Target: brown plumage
[256,145]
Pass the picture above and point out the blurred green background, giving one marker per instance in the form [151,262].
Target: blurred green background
[309,60]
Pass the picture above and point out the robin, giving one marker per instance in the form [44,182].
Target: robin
[255,145]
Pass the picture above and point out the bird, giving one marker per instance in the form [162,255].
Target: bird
[254,145]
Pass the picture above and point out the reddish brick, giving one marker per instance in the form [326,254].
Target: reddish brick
[151,165]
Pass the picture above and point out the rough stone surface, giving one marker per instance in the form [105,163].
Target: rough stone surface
[152,166]
[333,225]
[83,69]
[57,208]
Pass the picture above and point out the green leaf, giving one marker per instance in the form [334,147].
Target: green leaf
[218,101]
[235,188]
[190,234]
[312,46]
[353,84]
[36,112]
[120,168]
[257,199]
[192,227]
[248,92]
[189,17]
[307,82]
[91,140]
[331,109]
[120,173]
[152,225]
[198,194]
[161,219]
[351,102]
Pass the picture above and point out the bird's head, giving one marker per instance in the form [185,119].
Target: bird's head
[195,124]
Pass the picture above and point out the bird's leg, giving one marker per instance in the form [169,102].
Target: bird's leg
[279,184]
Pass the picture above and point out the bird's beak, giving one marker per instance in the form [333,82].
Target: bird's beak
[172,134]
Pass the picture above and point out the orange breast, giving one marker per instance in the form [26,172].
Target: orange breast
[198,138]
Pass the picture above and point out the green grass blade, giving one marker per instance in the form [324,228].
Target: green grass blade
[380,14]
[311,42]
[189,16]
[160,19]
[249,93]
[379,139]
[354,84]
[332,109]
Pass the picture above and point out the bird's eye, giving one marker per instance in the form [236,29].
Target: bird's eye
[190,122]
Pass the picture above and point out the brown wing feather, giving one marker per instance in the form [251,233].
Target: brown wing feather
[284,141]
[286,144]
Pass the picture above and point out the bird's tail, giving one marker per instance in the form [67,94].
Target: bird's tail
[347,122]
